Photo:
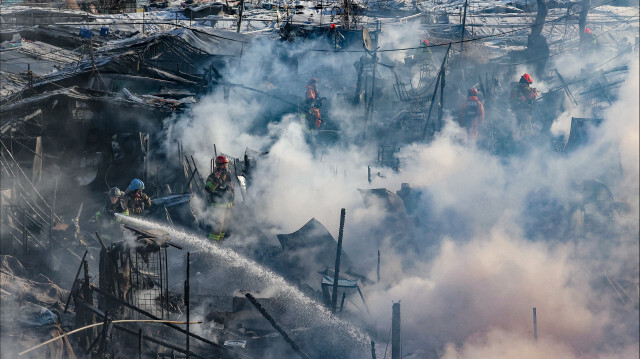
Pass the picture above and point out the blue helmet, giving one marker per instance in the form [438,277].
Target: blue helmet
[136,184]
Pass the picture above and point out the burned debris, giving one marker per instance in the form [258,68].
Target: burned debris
[168,168]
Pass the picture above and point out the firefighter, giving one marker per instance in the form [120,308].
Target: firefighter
[105,217]
[221,197]
[523,98]
[471,114]
[313,101]
[589,42]
[134,200]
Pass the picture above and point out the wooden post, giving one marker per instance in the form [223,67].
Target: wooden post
[378,271]
[36,173]
[464,20]
[240,10]
[336,274]
[395,332]
[139,343]
[93,61]
[30,74]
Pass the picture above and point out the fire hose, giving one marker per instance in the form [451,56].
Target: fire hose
[101,323]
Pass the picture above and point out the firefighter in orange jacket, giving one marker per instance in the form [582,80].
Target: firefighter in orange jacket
[523,98]
[471,114]
[312,103]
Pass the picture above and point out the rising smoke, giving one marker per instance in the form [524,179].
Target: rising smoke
[468,290]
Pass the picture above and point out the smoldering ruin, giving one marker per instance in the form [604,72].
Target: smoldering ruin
[319,179]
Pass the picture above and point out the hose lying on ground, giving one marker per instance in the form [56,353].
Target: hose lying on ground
[101,323]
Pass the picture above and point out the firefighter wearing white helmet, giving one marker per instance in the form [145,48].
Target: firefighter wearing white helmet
[105,216]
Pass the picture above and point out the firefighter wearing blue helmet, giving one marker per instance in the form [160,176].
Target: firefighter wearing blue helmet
[134,200]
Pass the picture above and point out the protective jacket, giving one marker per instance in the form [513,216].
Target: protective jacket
[471,115]
[105,216]
[523,96]
[134,203]
[220,187]
[311,96]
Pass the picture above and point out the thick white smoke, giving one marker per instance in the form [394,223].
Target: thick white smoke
[471,293]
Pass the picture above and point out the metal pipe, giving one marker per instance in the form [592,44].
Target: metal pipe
[336,274]
[276,326]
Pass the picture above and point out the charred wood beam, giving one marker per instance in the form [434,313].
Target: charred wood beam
[435,92]
[336,274]
[277,327]
[66,306]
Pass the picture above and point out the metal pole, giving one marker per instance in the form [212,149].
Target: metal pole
[395,332]
[344,296]
[373,350]
[535,325]
[186,300]
[336,274]
[276,326]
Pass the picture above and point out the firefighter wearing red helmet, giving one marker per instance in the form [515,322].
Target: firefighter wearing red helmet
[523,98]
[471,113]
[221,197]
[588,41]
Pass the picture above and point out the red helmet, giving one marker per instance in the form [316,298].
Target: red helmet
[473,91]
[221,160]
[425,42]
[333,26]
[587,30]
[526,78]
